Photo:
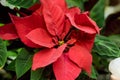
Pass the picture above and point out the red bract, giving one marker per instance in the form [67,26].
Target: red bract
[53,16]
[24,25]
[81,21]
[80,52]
[50,27]
[65,69]
[8,32]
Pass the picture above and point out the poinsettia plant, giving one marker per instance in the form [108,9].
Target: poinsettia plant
[49,39]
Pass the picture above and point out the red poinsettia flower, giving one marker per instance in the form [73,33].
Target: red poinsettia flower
[82,41]
[50,27]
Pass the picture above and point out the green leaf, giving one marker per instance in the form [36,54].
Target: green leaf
[77,3]
[36,75]
[1,24]
[97,13]
[3,54]
[105,47]
[22,3]
[11,66]
[23,62]
[94,73]
[116,39]
[7,43]
[11,53]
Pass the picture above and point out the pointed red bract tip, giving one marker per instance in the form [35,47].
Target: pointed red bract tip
[81,56]
[47,56]
[8,32]
[65,69]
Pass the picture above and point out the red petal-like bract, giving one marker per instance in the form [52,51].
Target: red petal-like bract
[53,16]
[81,56]
[8,32]
[82,22]
[88,40]
[73,11]
[64,69]
[41,37]
[71,14]
[47,56]
[61,3]
[24,25]
[86,24]
[66,29]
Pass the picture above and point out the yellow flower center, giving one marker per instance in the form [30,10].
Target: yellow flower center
[61,43]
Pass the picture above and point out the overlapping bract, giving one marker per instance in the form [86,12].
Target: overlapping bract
[50,27]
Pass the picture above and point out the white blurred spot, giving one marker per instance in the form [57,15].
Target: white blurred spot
[114,68]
